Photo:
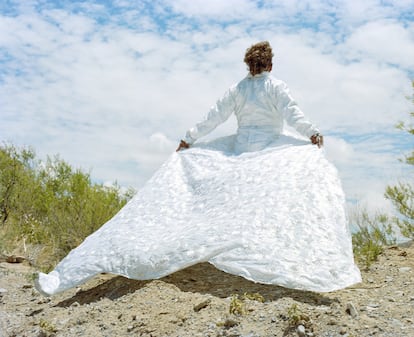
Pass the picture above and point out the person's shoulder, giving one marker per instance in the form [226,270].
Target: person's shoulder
[276,81]
[274,84]
[241,83]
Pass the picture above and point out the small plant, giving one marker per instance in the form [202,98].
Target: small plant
[47,327]
[373,233]
[237,306]
[402,194]
[296,316]
[31,277]
[254,297]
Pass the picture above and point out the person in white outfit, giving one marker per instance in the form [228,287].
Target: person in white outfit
[260,102]
[261,204]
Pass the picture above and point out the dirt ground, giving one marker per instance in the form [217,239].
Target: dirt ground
[197,302]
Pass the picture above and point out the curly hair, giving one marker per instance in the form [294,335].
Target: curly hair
[259,57]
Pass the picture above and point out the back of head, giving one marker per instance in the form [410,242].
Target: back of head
[259,57]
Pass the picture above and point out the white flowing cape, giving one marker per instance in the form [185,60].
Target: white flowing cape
[274,216]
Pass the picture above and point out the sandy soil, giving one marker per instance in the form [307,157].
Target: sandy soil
[197,302]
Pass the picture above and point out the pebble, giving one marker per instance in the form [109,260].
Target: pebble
[396,322]
[404,269]
[332,322]
[372,305]
[202,305]
[301,331]
[3,291]
[350,309]
[229,323]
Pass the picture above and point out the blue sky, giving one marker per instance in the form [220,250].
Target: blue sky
[112,86]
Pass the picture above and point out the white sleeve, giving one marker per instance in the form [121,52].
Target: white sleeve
[292,113]
[217,114]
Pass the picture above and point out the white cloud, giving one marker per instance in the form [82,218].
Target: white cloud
[229,9]
[389,42]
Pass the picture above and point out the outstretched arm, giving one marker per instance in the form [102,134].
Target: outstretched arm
[295,117]
[217,114]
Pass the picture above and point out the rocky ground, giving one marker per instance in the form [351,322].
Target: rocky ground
[203,301]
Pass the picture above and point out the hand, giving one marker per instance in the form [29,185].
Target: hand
[182,145]
[317,139]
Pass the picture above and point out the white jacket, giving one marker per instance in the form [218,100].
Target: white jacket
[260,103]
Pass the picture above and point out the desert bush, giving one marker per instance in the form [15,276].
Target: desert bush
[50,203]
[402,194]
[373,232]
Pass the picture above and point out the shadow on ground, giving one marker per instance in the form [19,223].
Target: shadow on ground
[201,278]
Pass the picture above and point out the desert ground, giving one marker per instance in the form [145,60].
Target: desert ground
[203,301]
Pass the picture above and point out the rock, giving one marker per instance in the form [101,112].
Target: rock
[332,322]
[41,333]
[229,323]
[35,312]
[202,305]
[404,269]
[2,291]
[301,331]
[373,305]
[15,259]
[351,310]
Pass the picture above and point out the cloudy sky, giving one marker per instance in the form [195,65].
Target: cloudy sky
[111,86]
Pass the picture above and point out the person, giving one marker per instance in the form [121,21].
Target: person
[258,101]
[263,203]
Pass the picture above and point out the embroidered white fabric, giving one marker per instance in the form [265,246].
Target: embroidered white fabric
[273,216]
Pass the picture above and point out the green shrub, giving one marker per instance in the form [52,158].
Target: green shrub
[372,234]
[50,204]
[402,194]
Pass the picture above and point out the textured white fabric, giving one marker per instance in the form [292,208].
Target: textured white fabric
[272,216]
[259,204]
[259,100]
